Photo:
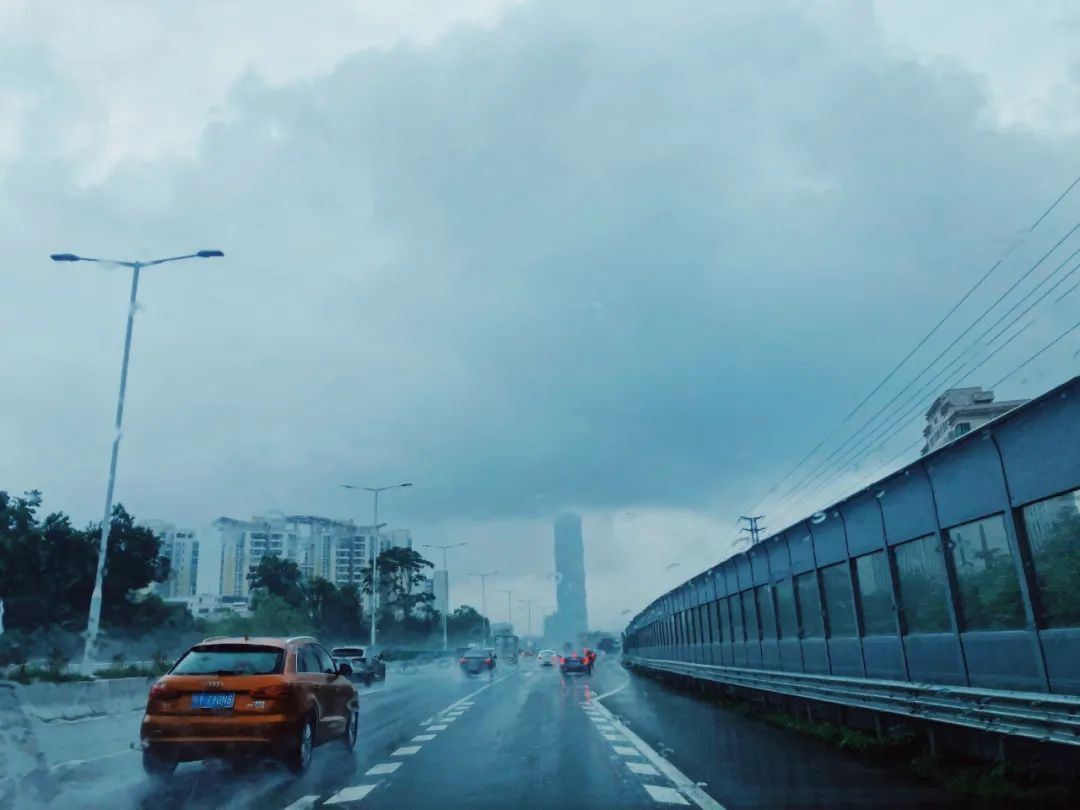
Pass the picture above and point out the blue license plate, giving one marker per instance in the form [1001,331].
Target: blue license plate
[213,700]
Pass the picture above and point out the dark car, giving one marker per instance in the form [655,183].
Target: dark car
[573,662]
[476,661]
[365,668]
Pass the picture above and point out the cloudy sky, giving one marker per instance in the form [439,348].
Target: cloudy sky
[633,259]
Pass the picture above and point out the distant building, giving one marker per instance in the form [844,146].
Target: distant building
[338,551]
[212,605]
[570,619]
[181,547]
[959,411]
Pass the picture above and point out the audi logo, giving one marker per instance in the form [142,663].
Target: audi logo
[214,684]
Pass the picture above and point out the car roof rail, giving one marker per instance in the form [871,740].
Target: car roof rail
[212,638]
[301,638]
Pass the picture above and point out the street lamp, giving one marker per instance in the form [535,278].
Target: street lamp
[529,602]
[378,545]
[483,599]
[509,610]
[94,620]
[446,587]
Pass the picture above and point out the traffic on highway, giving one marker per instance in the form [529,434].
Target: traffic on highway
[537,403]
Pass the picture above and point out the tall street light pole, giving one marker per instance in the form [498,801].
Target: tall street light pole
[509,609]
[529,602]
[446,585]
[94,619]
[483,599]
[378,546]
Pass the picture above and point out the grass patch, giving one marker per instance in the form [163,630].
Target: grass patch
[130,671]
[25,674]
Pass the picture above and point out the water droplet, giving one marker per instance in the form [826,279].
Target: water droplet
[879,494]
[817,517]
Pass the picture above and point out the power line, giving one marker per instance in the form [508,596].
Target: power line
[854,436]
[1053,342]
[920,344]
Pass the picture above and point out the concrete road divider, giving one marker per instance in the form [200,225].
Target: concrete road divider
[76,700]
[25,778]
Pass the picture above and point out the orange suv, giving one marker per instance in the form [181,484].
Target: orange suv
[236,697]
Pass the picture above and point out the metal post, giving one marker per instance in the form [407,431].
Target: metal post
[375,568]
[483,600]
[94,620]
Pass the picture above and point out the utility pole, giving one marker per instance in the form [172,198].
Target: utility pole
[446,585]
[754,529]
[483,599]
[93,619]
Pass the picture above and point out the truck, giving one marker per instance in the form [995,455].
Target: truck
[506,648]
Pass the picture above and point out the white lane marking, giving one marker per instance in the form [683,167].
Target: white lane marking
[678,778]
[423,737]
[665,795]
[447,719]
[381,768]
[614,738]
[303,803]
[72,762]
[436,728]
[611,692]
[643,768]
[350,794]
[625,750]
[406,751]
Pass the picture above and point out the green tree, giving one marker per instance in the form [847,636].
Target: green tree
[401,571]
[279,577]
[466,624]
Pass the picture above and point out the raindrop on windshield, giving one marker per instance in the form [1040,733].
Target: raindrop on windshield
[817,517]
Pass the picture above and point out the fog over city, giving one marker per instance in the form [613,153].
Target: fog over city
[615,258]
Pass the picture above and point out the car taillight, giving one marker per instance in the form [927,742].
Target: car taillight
[462,661]
[274,691]
[562,660]
[160,691]
[488,662]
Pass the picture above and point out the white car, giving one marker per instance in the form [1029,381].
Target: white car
[546,658]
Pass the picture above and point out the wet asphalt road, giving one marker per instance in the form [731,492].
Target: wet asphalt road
[524,739]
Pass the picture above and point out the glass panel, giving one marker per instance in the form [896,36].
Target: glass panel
[875,598]
[785,603]
[714,623]
[706,625]
[809,604]
[736,620]
[691,623]
[725,619]
[923,597]
[839,600]
[750,614]
[986,575]
[1053,532]
[767,611]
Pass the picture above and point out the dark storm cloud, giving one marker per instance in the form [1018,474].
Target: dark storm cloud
[584,258]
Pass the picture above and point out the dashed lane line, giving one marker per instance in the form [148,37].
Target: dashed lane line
[642,768]
[303,803]
[382,768]
[406,751]
[437,728]
[681,781]
[350,794]
[665,795]
[423,737]
[625,750]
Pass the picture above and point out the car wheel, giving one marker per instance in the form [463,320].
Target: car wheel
[298,757]
[352,729]
[156,765]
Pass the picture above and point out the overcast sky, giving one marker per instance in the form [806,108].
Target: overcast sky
[633,259]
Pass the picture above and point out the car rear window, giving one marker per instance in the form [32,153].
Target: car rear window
[230,660]
[356,652]
[477,654]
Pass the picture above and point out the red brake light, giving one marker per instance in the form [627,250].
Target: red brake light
[160,691]
[488,662]
[274,691]
[562,660]
[462,661]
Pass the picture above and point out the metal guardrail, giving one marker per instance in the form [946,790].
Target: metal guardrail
[1032,715]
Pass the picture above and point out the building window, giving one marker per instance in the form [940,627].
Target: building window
[986,575]
[785,608]
[962,428]
[809,605]
[1053,533]
[767,611]
[921,579]
[839,601]
[875,598]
